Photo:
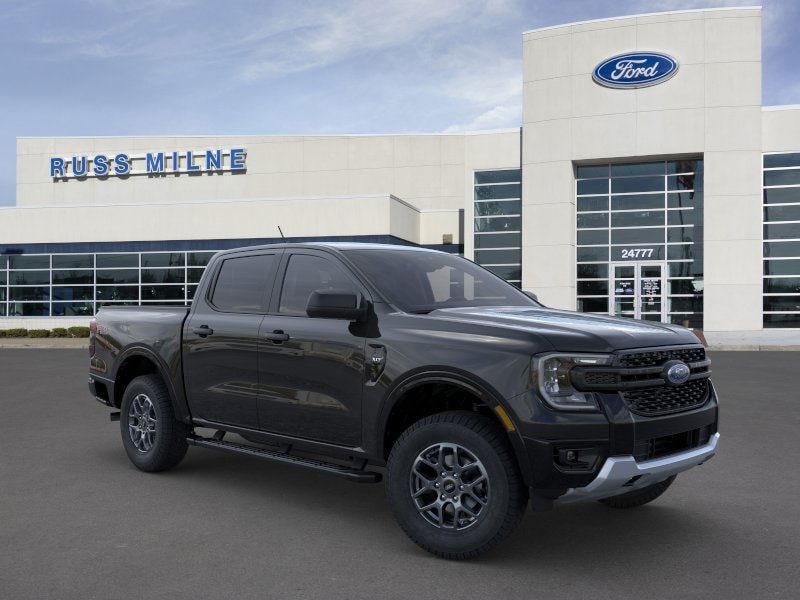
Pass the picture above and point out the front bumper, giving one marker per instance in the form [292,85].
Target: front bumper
[622,474]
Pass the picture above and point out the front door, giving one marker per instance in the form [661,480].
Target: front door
[637,290]
[311,370]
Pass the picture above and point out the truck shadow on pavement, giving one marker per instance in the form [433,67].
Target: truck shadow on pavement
[582,537]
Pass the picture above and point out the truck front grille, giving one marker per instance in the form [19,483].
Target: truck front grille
[662,400]
[655,358]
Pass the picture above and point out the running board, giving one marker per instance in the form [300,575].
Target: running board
[356,475]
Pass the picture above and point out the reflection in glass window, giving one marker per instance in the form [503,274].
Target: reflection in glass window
[497,223]
[781,300]
[653,211]
[109,261]
[73,261]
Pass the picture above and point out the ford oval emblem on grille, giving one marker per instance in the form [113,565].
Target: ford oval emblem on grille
[676,372]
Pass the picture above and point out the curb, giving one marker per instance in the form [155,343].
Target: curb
[751,348]
[49,343]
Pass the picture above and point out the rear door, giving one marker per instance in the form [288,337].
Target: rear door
[311,369]
[221,337]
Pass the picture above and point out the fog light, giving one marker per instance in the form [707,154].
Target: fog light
[577,459]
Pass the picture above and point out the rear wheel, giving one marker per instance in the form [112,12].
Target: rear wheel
[639,497]
[454,486]
[153,438]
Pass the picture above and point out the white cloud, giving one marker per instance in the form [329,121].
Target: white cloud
[324,37]
[497,117]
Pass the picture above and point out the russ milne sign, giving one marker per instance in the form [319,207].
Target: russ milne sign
[150,163]
[635,70]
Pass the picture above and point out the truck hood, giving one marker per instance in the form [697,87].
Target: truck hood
[573,331]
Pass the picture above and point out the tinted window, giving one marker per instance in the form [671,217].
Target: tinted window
[73,261]
[243,283]
[418,281]
[117,260]
[306,274]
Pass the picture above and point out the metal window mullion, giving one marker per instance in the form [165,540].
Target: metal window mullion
[186,277]
[140,279]
[94,283]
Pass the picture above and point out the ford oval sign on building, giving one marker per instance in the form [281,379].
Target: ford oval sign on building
[635,70]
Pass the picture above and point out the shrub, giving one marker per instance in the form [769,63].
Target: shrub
[16,332]
[38,333]
[79,332]
[59,332]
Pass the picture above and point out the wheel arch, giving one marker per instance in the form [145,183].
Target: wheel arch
[431,391]
[140,360]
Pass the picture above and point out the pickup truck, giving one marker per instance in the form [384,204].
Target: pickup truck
[362,359]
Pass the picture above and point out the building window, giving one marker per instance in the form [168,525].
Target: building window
[781,299]
[640,240]
[77,285]
[497,226]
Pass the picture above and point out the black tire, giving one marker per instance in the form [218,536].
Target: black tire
[507,495]
[168,444]
[639,497]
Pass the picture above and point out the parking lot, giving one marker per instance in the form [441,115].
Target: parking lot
[77,520]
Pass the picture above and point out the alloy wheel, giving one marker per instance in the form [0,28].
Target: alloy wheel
[142,423]
[449,486]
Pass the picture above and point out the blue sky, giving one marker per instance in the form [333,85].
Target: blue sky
[105,67]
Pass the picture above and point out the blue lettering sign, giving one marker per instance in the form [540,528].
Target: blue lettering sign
[635,70]
[213,160]
[56,167]
[154,162]
[79,166]
[122,166]
[190,166]
[100,163]
[237,159]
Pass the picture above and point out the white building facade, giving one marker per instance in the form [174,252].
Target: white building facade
[655,187]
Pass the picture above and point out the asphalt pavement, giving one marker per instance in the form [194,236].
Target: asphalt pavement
[77,520]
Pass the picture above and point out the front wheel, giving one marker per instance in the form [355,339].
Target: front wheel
[454,486]
[153,438]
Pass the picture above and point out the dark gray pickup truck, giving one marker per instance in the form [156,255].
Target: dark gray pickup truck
[474,397]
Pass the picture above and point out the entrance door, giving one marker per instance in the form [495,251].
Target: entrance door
[637,290]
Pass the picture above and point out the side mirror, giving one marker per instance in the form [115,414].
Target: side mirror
[336,304]
[531,295]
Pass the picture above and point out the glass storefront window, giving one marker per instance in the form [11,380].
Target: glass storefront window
[164,259]
[497,222]
[29,277]
[73,284]
[781,213]
[73,261]
[61,277]
[639,240]
[71,292]
[112,261]
[29,261]
[198,259]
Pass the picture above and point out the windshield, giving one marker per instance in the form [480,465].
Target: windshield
[419,282]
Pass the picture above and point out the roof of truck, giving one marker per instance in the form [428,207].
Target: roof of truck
[332,245]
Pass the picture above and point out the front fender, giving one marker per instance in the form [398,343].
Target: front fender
[470,383]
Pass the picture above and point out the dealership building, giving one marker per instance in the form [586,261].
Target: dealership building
[646,179]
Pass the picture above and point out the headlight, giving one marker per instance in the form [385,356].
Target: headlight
[551,373]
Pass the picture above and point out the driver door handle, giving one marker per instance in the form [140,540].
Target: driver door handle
[277,336]
[203,330]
